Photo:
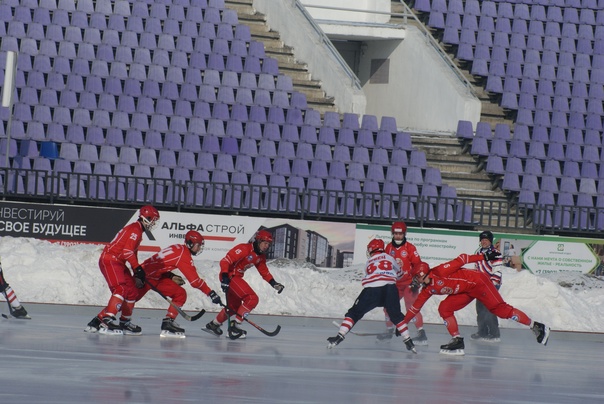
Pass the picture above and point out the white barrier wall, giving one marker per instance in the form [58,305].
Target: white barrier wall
[295,31]
[422,92]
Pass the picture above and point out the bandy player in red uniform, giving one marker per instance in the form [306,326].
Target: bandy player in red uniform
[408,258]
[241,298]
[462,286]
[121,250]
[158,273]
[379,290]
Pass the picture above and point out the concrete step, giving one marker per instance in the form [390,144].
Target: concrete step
[275,48]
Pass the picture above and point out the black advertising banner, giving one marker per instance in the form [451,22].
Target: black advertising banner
[62,222]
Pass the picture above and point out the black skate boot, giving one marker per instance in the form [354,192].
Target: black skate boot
[541,332]
[20,312]
[420,338]
[213,328]
[410,345]
[94,325]
[454,347]
[171,329]
[333,341]
[235,332]
[385,336]
[130,328]
[109,327]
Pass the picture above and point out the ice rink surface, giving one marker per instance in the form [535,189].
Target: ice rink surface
[49,359]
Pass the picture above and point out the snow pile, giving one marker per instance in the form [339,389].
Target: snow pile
[44,272]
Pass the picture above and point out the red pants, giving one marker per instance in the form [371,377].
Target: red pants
[241,299]
[487,294]
[408,296]
[121,284]
[169,289]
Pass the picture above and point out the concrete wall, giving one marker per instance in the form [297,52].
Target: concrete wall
[423,93]
[283,16]
[382,6]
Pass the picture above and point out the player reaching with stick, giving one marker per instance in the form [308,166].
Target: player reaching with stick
[123,286]
[159,275]
[462,286]
[379,283]
[241,298]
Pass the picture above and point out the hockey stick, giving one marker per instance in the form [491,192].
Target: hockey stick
[178,309]
[256,326]
[360,334]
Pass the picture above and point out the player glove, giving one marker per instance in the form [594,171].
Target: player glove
[224,284]
[492,255]
[178,280]
[139,277]
[215,298]
[277,286]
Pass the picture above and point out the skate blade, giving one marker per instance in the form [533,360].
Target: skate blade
[546,336]
[211,332]
[454,352]
[331,346]
[234,337]
[105,331]
[132,333]
[91,330]
[169,334]
[8,316]
[423,343]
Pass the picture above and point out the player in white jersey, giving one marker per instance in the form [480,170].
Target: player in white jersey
[379,290]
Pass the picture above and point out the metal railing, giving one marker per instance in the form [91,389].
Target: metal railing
[287,202]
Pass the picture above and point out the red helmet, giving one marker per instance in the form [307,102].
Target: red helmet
[263,235]
[193,237]
[399,227]
[422,270]
[375,246]
[149,217]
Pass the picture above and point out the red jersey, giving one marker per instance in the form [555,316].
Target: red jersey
[448,279]
[124,245]
[381,269]
[176,256]
[240,258]
[407,258]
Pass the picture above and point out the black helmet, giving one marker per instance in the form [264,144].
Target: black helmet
[486,234]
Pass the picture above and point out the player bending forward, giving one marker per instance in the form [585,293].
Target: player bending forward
[241,298]
[158,273]
[463,286]
[379,290]
[123,286]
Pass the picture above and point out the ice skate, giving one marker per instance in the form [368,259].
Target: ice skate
[386,335]
[420,338]
[213,328]
[171,329]
[109,327]
[454,347]
[410,346]
[129,328]
[333,341]
[541,332]
[20,312]
[235,332]
[94,325]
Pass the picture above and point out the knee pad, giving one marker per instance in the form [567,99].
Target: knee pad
[251,301]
